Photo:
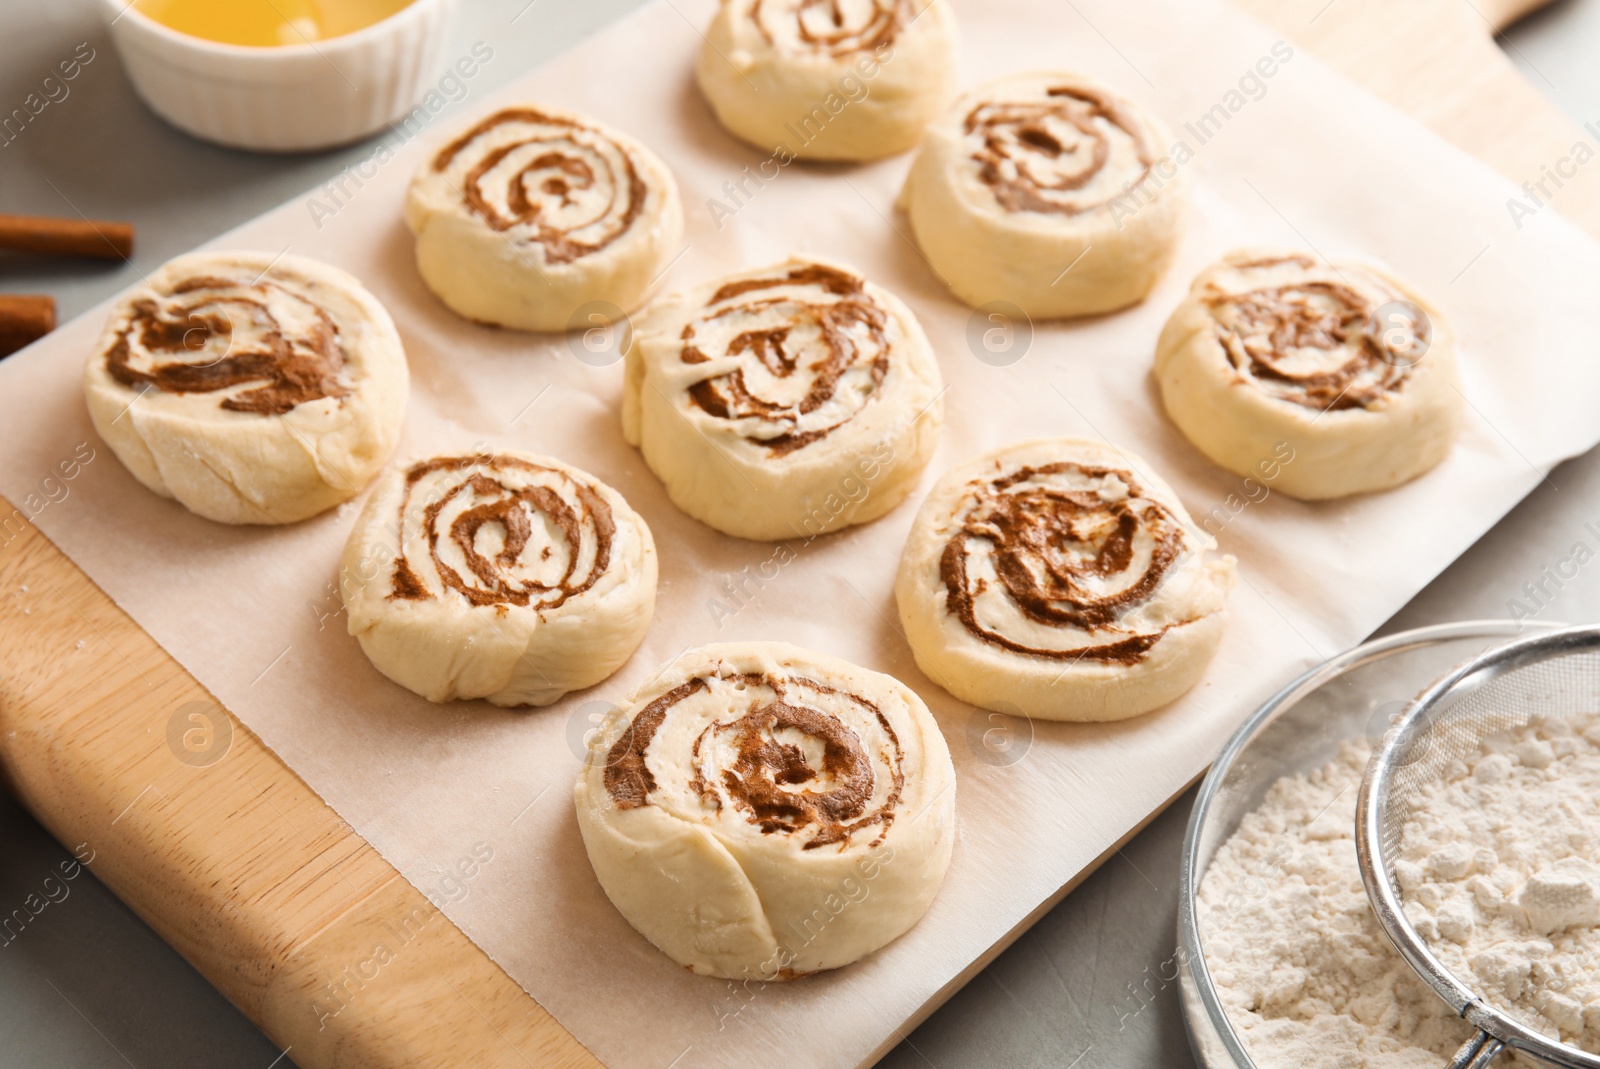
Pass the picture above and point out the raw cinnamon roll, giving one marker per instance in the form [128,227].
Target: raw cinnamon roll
[759,811]
[1061,578]
[536,212]
[829,79]
[504,576]
[1050,191]
[787,402]
[1340,368]
[252,388]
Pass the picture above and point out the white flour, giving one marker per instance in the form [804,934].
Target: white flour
[1498,871]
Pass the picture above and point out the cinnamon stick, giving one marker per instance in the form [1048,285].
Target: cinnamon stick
[67,237]
[23,319]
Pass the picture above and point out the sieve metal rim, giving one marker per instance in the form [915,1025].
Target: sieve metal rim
[1496,1029]
[1207,1011]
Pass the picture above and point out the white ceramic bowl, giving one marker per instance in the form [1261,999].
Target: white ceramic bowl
[291,98]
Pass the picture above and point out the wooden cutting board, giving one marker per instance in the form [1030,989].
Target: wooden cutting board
[239,865]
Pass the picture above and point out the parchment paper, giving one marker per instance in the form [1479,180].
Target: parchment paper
[1313,161]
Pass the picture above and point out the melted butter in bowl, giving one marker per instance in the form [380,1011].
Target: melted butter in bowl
[284,75]
[269,23]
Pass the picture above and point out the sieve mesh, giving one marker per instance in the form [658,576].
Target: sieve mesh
[1485,703]
[1550,676]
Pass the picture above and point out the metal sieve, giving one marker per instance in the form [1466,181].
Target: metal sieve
[1552,675]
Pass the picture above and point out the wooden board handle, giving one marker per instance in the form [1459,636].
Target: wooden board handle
[95,239]
[225,852]
[1437,61]
[1502,13]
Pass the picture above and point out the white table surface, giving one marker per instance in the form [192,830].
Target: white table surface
[86,985]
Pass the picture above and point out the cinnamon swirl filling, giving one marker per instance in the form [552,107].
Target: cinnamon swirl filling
[832,27]
[790,357]
[1313,338]
[264,344]
[500,531]
[546,180]
[783,754]
[1071,152]
[1050,560]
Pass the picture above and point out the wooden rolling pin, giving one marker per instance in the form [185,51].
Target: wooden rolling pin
[66,237]
[24,319]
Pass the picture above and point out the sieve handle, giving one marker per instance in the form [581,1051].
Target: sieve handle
[1477,1052]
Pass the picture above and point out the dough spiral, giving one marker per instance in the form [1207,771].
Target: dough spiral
[833,27]
[828,79]
[534,212]
[1339,367]
[1049,191]
[757,396]
[742,769]
[561,184]
[504,576]
[1311,337]
[449,503]
[1069,153]
[213,335]
[1067,545]
[252,388]
[758,780]
[811,336]
[1056,577]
